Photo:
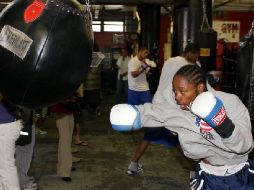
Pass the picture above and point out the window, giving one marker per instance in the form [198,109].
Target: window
[97,26]
[108,26]
[113,26]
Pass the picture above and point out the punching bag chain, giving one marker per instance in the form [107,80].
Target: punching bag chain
[90,22]
[251,32]
[205,19]
[88,6]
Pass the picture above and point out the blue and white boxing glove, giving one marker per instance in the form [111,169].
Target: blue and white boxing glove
[210,108]
[125,117]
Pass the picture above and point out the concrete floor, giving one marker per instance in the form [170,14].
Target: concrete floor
[106,158]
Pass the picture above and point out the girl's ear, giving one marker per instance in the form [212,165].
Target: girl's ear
[201,88]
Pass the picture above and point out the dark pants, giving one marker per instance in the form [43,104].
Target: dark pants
[121,91]
[241,180]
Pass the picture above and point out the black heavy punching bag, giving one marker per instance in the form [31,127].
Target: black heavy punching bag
[45,50]
[207,40]
[245,72]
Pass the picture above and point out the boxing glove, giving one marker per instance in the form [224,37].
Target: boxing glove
[125,117]
[144,65]
[150,63]
[210,108]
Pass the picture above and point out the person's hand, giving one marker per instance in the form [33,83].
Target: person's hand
[209,108]
[125,117]
[150,63]
[144,65]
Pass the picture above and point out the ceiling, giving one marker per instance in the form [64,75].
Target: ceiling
[123,6]
[127,5]
[233,5]
[218,5]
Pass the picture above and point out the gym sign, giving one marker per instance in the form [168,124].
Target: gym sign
[227,30]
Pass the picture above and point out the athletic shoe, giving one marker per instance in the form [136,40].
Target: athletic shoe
[140,165]
[138,171]
[76,159]
[31,185]
[40,132]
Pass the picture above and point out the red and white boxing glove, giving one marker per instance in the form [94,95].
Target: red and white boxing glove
[210,108]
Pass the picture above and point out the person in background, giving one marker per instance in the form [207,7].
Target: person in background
[122,76]
[92,90]
[189,56]
[24,152]
[63,112]
[162,135]
[138,93]
[10,127]
[77,113]
[40,118]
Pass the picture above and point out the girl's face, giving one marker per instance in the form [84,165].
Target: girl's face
[185,92]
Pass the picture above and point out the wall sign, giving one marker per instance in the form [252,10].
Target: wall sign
[227,30]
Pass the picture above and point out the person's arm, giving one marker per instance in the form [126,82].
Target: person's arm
[143,68]
[241,140]
[124,74]
[234,129]
[124,117]
[137,72]
[118,63]
[80,91]
[210,109]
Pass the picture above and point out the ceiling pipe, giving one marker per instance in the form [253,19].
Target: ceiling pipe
[128,2]
[223,4]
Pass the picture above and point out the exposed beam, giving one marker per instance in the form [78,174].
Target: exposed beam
[128,2]
[222,4]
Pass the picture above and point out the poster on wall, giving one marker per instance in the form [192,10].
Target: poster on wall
[227,30]
[118,39]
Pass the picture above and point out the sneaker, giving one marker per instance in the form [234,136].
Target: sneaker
[30,178]
[30,188]
[40,132]
[74,150]
[138,171]
[31,185]
[76,159]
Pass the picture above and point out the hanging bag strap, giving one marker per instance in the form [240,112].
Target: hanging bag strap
[205,19]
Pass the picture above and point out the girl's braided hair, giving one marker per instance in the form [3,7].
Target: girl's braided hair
[193,73]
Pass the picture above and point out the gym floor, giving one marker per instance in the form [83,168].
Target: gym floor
[106,158]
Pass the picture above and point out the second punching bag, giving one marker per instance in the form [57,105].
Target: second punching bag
[45,49]
[207,39]
[207,42]
[245,72]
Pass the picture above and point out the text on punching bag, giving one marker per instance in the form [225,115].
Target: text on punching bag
[15,41]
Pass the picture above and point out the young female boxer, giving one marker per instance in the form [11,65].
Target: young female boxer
[213,128]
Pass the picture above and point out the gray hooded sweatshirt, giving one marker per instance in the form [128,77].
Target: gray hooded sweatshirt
[199,142]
